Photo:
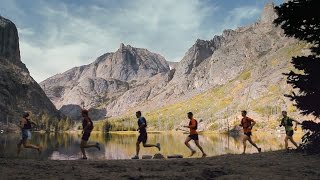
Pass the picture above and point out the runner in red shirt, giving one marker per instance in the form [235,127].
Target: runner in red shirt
[247,124]
[193,124]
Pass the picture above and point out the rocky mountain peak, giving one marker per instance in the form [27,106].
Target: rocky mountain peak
[9,42]
[201,50]
[122,46]
[125,47]
[110,76]
[268,13]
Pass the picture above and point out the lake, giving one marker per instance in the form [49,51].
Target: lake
[65,146]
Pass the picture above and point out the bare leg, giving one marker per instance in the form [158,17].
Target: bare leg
[186,142]
[293,142]
[25,145]
[149,145]
[244,142]
[137,148]
[253,144]
[19,147]
[197,143]
[84,145]
[286,142]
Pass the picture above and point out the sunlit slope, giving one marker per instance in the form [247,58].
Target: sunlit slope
[259,89]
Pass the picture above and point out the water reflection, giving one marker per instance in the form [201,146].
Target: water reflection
[65,146]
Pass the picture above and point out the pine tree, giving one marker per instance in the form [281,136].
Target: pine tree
[301,19]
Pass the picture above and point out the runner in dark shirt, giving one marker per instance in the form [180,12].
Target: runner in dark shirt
[25,125]
[87,126]
[143,135]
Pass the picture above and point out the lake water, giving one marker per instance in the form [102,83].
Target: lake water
[65,146]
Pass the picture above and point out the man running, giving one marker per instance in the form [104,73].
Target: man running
[143,135]
[193,125]
[247,124]
[287,123]
[25,125]
[87,126]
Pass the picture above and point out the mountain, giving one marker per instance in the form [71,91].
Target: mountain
[240,69]
[128,75]
[18,91]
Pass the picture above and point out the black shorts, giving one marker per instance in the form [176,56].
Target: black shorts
[248,134]
[289,133]
[194,137]
[143,137]
[25,134]
[86,135]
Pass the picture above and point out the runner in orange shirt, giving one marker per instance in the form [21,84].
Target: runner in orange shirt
[247,124]
[193,125]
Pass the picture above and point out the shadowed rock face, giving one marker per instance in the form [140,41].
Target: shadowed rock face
[133,78]
[18,91]
[9,42]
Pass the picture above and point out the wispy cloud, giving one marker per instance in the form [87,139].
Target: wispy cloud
[240,15]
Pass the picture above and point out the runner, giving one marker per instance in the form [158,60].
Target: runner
[247,124]
[87,126]
[143,136]
[287,123]
[193,125]
[25,125]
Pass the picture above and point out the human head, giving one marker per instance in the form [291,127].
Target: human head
[284,113]
[190,115]
[84,113]
[138,114]
[26,114]
[244,113]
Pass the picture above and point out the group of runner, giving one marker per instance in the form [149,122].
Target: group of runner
[248,123]
[87,125]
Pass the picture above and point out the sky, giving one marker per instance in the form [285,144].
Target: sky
[58,35]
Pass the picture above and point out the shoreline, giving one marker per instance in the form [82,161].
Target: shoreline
[266,165]
[157,132]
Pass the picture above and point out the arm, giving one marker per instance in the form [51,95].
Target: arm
[21,123]
[141,126]
[33,122]
[252,123]
[193,125]
[241,123]
[281,122]
[297,122]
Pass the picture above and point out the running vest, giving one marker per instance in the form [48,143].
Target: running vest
[27,125]
[85,123]
[245,122]
[287,123]
[196,127]
[193,130]
[142,120]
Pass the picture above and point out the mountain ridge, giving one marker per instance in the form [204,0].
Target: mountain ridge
[245,62]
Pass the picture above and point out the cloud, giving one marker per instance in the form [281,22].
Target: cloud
[73,37]
[240,15]
[56,36]
[25,31]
